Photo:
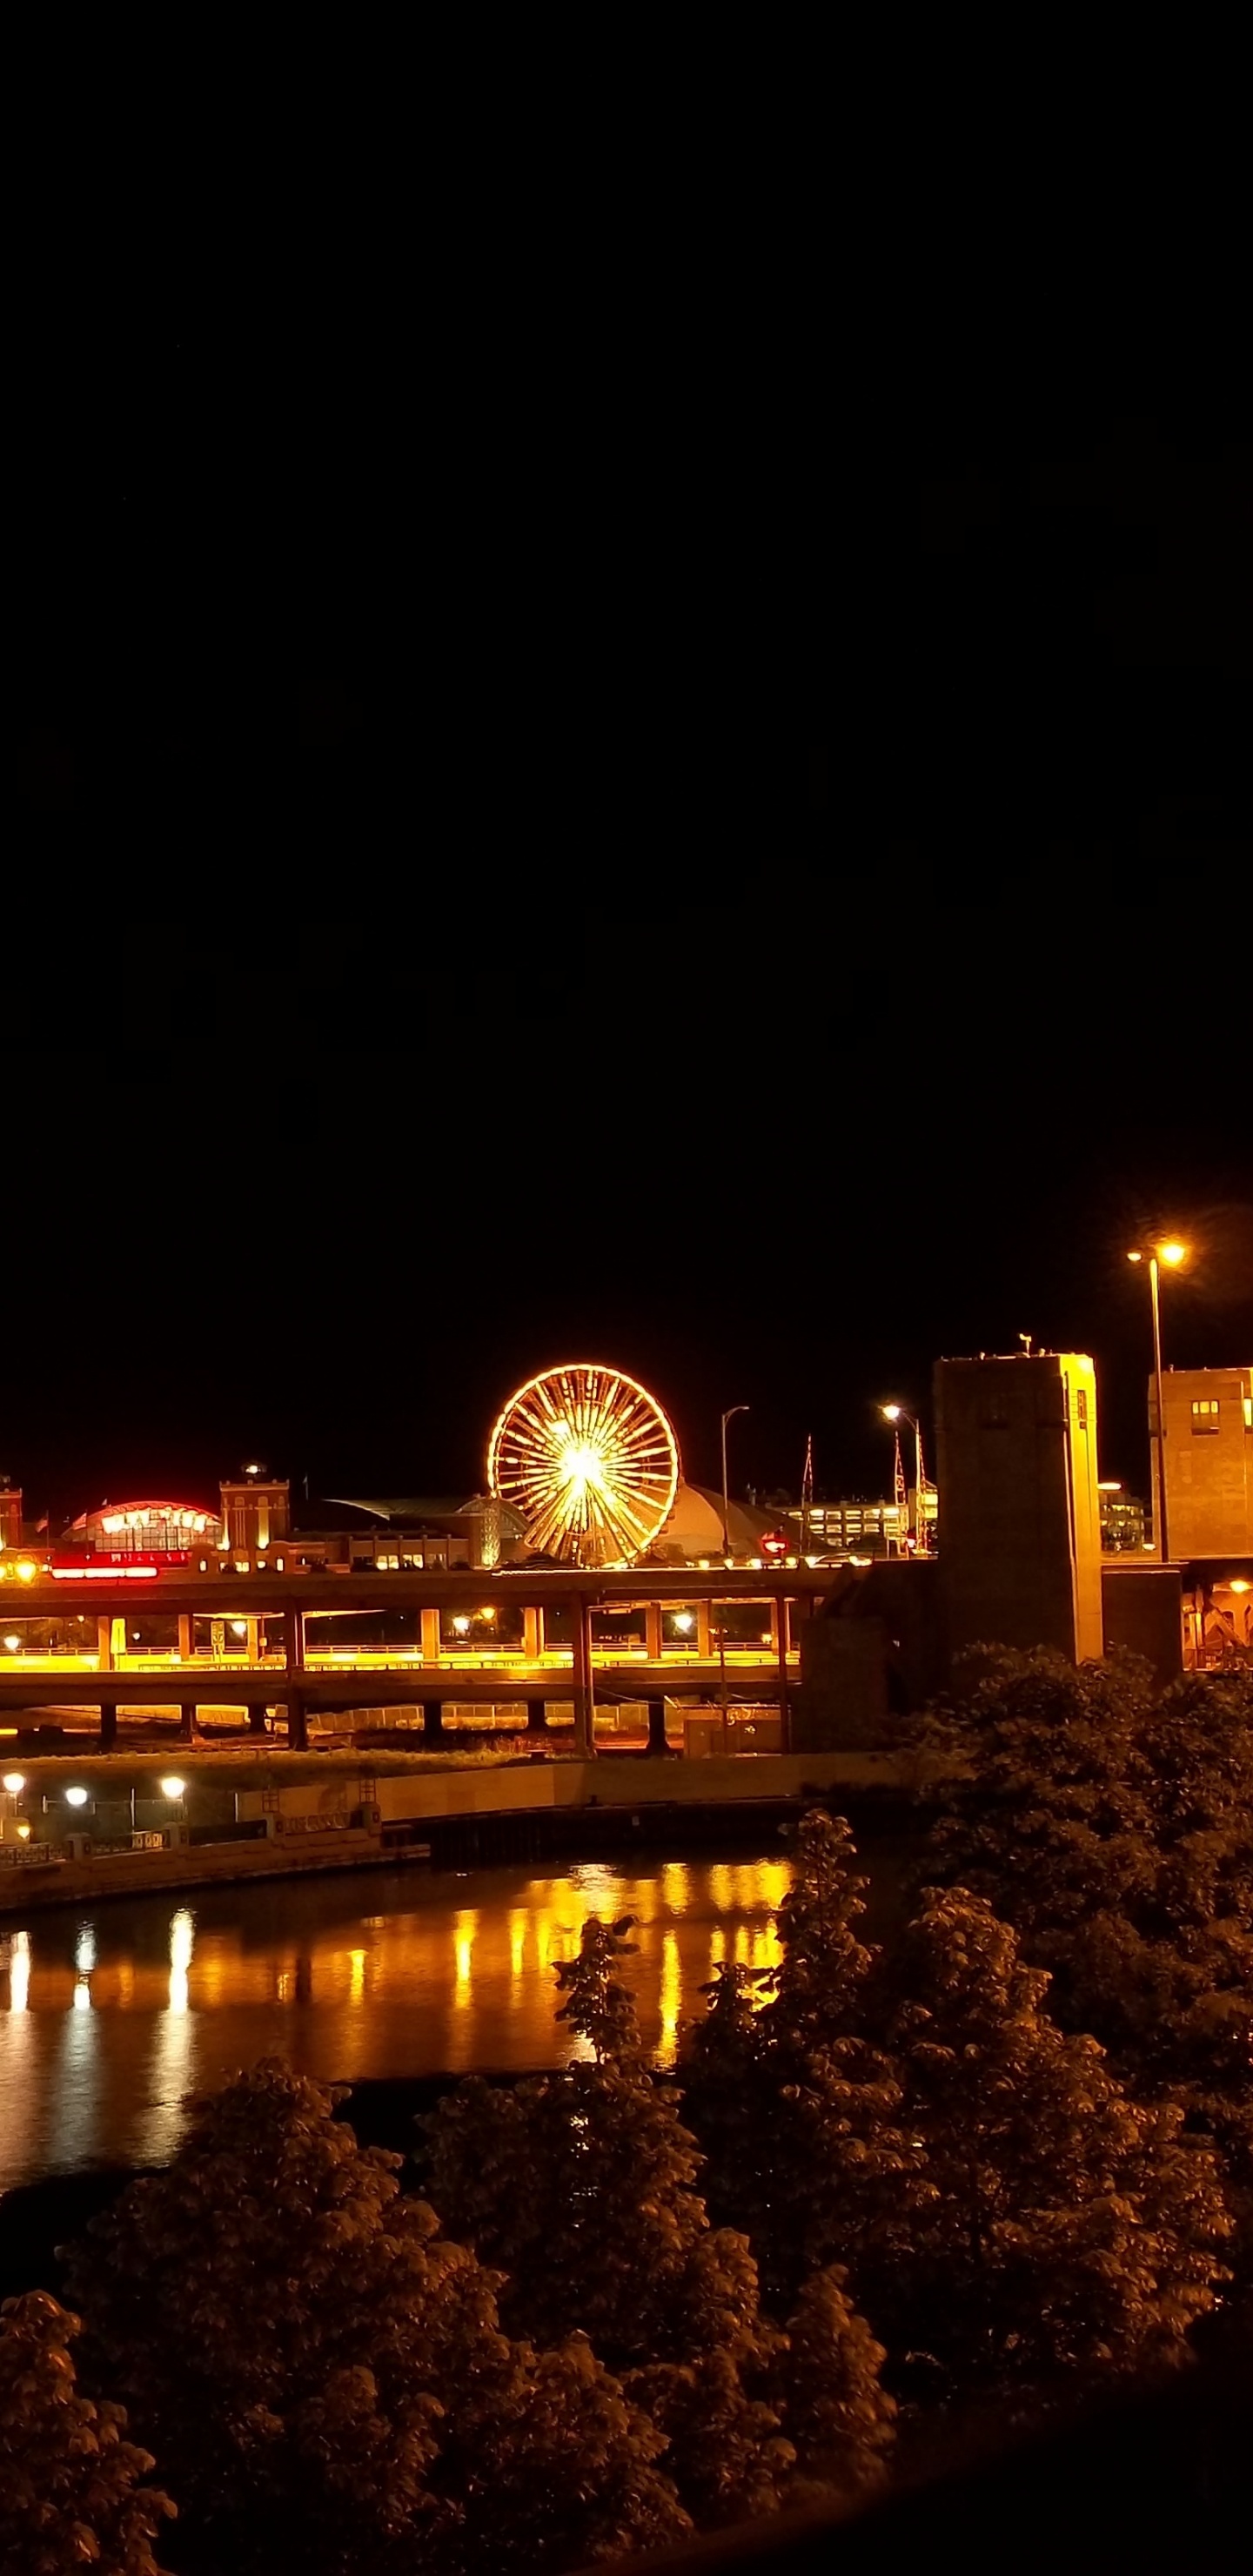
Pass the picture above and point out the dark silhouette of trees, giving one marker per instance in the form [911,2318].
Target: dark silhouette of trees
[609,2234]
[323,2376]
[71,2485]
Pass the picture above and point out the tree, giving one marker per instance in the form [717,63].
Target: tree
[839,2418]
[1072,2230]
[317,2365]
[582,2187]
[71,2491]
[1111,1823]
[794,2100]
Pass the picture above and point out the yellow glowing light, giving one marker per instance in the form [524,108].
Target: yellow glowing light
[76,1797]
[23,1833]
[25,1570]
[1237,1584]
[588,1459]
[1172,1254]
[15,1782]
[891,1412]
[172,1786]
[489,1613]
[12,1644]
[461,1625]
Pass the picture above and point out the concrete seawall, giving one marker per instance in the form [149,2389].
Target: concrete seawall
[319,1825]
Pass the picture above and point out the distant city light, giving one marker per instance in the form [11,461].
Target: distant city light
[461,1624]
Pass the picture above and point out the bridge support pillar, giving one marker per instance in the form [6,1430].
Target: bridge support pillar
[297,1723]
[256,1717]
[430,1636]
[108,1726]
[432,1716]
[536,1717]
[104,1641]
[187,1721]
[652,1632]
[532,1635]
[656,1726]
[785,1714]
[584,1701]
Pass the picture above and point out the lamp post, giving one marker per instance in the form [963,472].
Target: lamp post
[896,1413]
[1172,1255]
[728,1416]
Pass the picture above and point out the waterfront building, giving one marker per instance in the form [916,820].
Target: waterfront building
[1209,1460]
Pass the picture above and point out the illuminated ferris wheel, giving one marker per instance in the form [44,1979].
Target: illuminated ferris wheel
[588,1459]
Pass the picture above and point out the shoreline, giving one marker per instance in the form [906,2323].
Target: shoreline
[460,1818]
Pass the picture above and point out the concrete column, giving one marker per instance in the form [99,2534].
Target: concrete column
[187,1721]
[432,1716]
[430,1637]
[297,1724]
[704,1645]
[652,1632]
[186,1637]
[536,1717]
[785,1715]
[252,1642]
[256,1717]
[295,1638]
[532,1635]
[584,1706]
[108,1726]
[104,1641]
[657,1726]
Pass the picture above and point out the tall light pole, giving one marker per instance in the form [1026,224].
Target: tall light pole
[1172,1255]
[896,1413]
[728,1416]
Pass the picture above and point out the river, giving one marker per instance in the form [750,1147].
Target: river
[111,2013]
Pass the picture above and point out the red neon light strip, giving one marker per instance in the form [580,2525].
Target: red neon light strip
[105,1573]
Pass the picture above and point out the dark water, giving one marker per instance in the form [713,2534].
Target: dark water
[109,2015]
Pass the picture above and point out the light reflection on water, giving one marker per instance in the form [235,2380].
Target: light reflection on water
[107,2020]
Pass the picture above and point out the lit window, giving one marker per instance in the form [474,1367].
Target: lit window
[1205,1413]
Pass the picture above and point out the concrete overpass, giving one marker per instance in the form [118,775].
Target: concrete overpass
[573,1637]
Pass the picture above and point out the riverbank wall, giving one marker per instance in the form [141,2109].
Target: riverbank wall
[456,1818]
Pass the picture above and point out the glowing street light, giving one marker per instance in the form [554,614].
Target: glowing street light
[76,1797]
[172,1787]
[12,1644]
[15,1782]
[1172,1255]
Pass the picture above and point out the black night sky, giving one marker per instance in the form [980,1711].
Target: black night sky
[502,874]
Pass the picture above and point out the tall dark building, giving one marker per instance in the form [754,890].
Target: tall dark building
[1019,1517]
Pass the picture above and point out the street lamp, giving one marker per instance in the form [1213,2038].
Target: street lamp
[728,1416]
[1171,1256]
[897,1413]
